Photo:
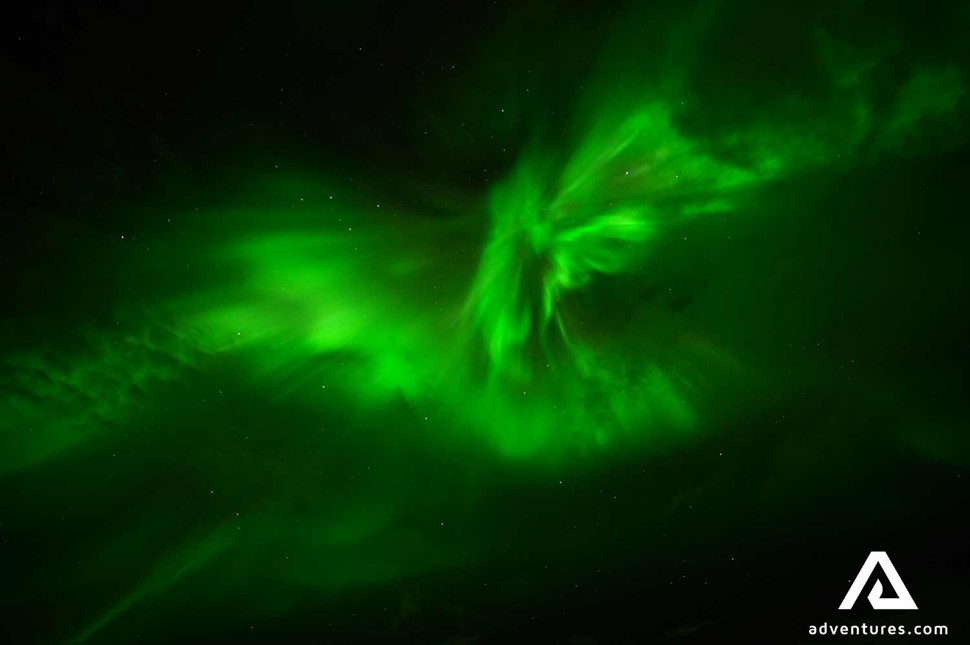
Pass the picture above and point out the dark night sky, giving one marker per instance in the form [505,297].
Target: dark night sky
[566,322]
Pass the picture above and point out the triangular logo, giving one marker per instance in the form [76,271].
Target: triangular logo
[902,600]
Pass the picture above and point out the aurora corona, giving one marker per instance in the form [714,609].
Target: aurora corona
[559,322]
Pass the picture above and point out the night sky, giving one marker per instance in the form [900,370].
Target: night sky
[541,322]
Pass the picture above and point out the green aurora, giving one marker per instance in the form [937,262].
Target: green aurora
[693,282]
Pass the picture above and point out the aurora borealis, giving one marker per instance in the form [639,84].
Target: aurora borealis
[547,322]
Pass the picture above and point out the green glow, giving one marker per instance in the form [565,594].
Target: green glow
[347,380]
